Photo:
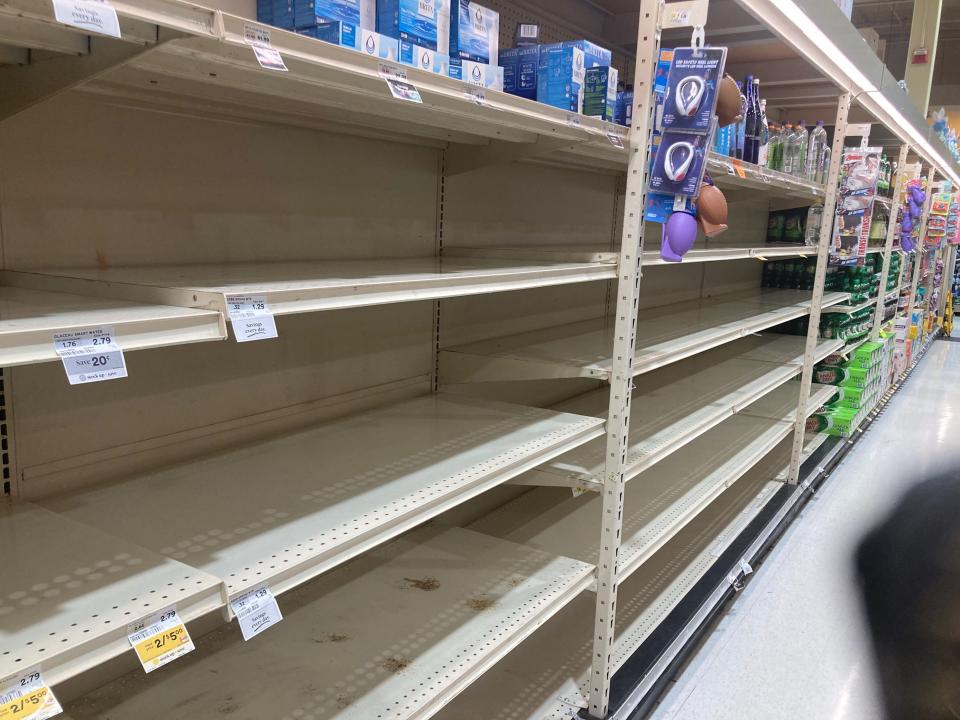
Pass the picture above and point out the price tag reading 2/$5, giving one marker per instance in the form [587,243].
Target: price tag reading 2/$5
[27,696]
[160,641]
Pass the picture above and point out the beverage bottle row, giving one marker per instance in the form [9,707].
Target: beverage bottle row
[787,148]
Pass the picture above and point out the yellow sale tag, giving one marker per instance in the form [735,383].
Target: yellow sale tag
[738,167]
[28,696]
[161,642]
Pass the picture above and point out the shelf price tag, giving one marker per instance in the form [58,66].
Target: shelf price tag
[90,15]
[615,140]
[160,641]
[574,121]
[475,94]
[269,58]
[90,355]
[256,611]
[396,79]
[26,696]
[738,168]
[251,317]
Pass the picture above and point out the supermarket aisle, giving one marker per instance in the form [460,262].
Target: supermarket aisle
[793,644]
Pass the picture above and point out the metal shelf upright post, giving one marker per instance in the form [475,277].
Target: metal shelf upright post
[888,245]
[625,336]
[823,256]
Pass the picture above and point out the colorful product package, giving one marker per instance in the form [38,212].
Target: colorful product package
[680,163]
[691,92]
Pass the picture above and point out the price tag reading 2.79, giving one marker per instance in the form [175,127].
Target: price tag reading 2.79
[27,696]
[90,355]
[160,641]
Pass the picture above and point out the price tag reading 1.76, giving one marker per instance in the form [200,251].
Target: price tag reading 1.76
[90,355]
[27,696]
[161,641]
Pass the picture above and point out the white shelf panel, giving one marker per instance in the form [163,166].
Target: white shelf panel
[324,285]
[674,406]
[723,171]
[705,251]
[547,678]
[658,504]
[29,319]
[664,336]
[850,309]
[211,70]
[783,405]
[396,634]
[285,510]
[70,591]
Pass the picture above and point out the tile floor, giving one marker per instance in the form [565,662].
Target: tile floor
[793,645]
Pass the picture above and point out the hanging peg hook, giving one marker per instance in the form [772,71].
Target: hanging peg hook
[697,38]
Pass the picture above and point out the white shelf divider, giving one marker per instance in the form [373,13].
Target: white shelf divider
[705,251]
[30,318]
[320,285]
[548,676]
[675,405]
[70,590]
[659,502]
[283,511]
[664,336]
[395,634]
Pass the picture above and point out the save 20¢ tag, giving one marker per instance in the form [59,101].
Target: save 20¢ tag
[160,641]
[27,696]
[90,355]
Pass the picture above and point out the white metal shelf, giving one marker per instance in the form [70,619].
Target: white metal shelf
[709,250]
[395,634]
[674,406]
[209,67]
[283,511]
[322,285]
[850,309]
[723,170]
[29,319]
[547,678]
[664,498]
[664,336]
[70,590]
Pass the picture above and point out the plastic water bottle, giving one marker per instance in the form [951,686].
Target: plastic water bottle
[811,235]
[803,140]
[825,166]
[818,143]
[790,147]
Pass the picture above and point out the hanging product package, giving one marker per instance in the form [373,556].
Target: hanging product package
[691,94]
[680,163]
[859,173]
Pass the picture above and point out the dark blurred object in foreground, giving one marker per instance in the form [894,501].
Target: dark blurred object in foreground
[909,570]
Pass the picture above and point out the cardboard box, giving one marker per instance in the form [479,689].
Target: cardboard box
[520,67]
[474,32]
[481,74]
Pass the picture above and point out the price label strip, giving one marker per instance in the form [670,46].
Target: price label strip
[475,94]
[269,58]
[90,15]
[251,317]
[256,611]
[396,79]
[615,140]
[160,641]
[27,696]
[90,355]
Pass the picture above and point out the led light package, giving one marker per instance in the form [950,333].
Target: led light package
[691,92]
